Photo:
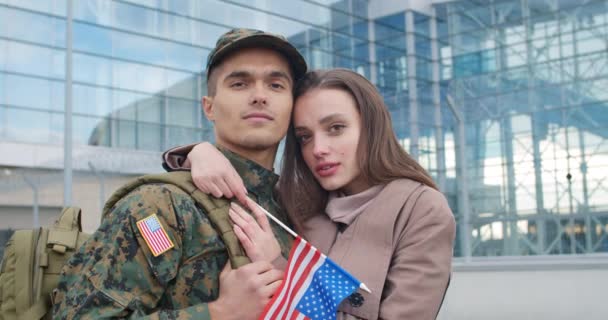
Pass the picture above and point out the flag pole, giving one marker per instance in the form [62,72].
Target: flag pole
[293,233]
[365,288]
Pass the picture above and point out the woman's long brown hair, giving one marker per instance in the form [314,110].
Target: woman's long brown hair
[381,158]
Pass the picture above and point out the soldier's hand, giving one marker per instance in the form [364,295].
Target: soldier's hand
[255,235]
[213,174]
[244,292]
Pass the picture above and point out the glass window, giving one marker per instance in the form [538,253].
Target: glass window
[424,69]
[462,22]
[92,70]
[422,24]
[184,85]
[138,48]
[508,11]
[359,7]
[89,100]
[185,57]
[343,62]
[150,3]
[138,77]
[92,39]
[425,94]
[149,136]
[92,131]
[125,134]
[360,29]
[32,92]
[150,109]
[390,31]
[125,104]
[320,59]
[422,46]
[56,7]
[31,59]
[319,39]
[543,26]
[40,28]
[384,52]
[192,31]
[590,43]
[3,116]
[28,125]
[341,44]
[135,18]
[516,55]
[362,52]
[56,132]
[179,136]
[341,22]
[182,112]
[301,10]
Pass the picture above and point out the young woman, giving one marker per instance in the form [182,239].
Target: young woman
[354,193]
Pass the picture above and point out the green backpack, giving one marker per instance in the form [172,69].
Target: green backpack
[33,259]
[31,265]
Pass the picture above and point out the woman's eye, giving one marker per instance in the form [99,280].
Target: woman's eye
[303,139]
[336,127]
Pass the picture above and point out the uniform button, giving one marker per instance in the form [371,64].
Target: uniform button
[356,299]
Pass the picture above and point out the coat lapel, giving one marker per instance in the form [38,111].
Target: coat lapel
[366,247]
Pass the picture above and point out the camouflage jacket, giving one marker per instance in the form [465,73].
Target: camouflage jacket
[115,275]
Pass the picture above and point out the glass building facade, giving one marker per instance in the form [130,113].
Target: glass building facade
[504,102]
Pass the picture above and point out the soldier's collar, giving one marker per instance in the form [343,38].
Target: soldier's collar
[258,180]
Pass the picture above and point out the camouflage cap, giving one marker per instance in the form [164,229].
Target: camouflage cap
[250,38]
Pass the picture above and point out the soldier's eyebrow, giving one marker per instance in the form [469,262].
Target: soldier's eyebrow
[239,74]
[281,75]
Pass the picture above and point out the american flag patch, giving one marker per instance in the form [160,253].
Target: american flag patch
[155,235]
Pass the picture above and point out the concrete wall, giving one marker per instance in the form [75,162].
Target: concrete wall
[16,199]
[43,166]
[536,293]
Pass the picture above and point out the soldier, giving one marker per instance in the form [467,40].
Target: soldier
[181,272]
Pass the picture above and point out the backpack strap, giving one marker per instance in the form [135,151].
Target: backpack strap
[64,234]
[25,249]
[216,209]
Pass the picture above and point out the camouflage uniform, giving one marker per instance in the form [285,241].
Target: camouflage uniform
[114,274]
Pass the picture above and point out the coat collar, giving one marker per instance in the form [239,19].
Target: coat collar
[370,237]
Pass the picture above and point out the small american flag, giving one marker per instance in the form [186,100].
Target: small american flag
[313,286]
[155,235]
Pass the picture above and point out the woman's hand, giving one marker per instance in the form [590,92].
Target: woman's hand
[213,174]
[255,235]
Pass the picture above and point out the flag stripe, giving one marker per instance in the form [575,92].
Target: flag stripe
[158,240]
[312,287]
[155,239]
[305,280]
[148,235]
[272,306]
[304,257]
[302,253]
[161,237]
[307,266]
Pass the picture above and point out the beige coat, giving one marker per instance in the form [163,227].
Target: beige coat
[400,247]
